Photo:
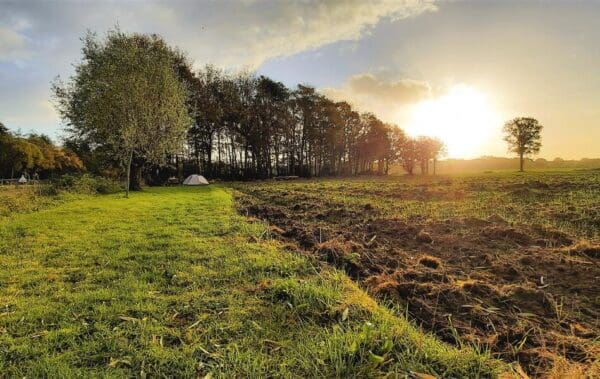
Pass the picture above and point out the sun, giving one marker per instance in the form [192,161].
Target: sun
[462,117]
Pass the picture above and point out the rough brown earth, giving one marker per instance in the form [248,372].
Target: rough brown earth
[527,292]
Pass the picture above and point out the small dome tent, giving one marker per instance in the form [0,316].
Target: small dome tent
[195,180]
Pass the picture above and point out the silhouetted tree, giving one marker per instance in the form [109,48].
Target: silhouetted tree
[424,150]
[523,136]
[405,150]
[438,150]
[3,129]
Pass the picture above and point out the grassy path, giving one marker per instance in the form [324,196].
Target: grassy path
[172,283]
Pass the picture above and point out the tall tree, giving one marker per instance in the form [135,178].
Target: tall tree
[55,160]
[429,149]
[17,155]
[438,150]
[424,150]
[523,135]
[126,96]
[405,150]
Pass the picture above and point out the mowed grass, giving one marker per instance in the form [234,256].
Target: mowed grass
[172,283]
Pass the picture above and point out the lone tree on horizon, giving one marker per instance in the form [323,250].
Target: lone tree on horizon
[127,97]
[523,135]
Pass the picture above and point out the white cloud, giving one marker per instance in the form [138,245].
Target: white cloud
[230,34]
[245,34]
[12,45]
[286,28]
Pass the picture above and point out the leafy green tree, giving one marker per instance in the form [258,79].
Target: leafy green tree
[126,96]
[523,135]
[55,160]
[18,155]
[34,154]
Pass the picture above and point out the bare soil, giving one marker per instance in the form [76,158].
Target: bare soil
[528,293]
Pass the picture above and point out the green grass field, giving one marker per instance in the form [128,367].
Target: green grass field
[173,283]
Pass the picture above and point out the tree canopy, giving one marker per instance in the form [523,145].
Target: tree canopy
[126,97]
[523,135]
[34,154]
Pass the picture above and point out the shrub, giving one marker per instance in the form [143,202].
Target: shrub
[87,184]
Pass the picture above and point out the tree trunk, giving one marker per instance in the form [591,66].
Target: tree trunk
[135,179]
[209,167]
[128,175]
[521,162]
[434,166]
[218,173]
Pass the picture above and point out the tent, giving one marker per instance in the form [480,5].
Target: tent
[195,180]
[22,179]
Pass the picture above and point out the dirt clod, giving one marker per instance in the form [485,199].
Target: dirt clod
[424,237]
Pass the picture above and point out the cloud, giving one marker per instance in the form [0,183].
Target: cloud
[231,34]
[388,99]
[401,91]
[285,28]
[13,46]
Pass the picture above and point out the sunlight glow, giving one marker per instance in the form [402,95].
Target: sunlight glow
[462,118]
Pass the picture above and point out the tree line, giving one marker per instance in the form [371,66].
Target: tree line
[136,103]
[136,107]
[247,126]
[34,155]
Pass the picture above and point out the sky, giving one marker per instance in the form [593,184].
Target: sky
[453,69]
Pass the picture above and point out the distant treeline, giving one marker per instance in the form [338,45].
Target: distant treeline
[253,127]
[34,155]
[453,166]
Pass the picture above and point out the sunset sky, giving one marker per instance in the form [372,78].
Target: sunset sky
[453,69]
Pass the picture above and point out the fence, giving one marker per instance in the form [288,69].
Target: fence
[16,181]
